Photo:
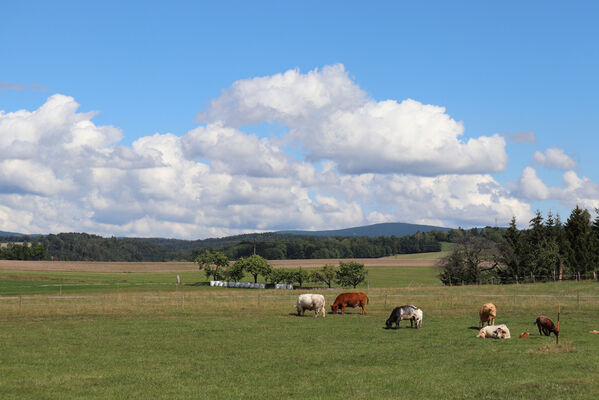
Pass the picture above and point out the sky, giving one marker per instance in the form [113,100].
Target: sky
[207,119]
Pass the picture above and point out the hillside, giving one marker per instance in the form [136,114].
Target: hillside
[377,230]
[2,233]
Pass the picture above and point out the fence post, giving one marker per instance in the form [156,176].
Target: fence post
[258,301]
[104,304]
[578,300]
[20,303]
[515,292]
[385,302]
[60,289]
[183,301]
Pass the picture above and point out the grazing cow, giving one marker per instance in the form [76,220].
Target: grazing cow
[311,302]
[546,326]
[413,313]
[350,300]
[524,335]
[494,332]
[488,312]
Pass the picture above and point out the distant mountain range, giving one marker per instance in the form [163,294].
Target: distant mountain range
[2,233]
[385,229]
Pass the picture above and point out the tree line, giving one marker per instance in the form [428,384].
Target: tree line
[217,266]
[89,247]
[548,250]
[23,251]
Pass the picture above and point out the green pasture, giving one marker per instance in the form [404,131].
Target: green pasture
[14,283]
[219,343]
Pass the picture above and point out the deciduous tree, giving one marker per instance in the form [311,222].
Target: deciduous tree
[350,273]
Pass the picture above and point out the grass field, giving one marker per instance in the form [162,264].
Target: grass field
[212,343]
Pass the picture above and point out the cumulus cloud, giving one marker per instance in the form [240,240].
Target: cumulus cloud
[365,161]
[531,186]
[331,118]
[554,158]
[573,190]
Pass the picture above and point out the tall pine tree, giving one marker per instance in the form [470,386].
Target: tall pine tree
[578,233]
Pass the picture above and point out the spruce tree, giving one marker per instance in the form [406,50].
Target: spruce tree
[578,232]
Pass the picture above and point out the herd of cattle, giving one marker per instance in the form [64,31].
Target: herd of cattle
[488,312]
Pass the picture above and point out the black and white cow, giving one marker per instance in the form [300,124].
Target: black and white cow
[411,312]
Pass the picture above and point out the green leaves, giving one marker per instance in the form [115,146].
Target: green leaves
[350,273]
[213,264]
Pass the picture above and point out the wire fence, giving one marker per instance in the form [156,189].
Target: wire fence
[381,300]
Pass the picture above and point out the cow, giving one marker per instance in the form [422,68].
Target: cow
[411,312]
[546,326]
[524,335]
[487,313]
[350,300]
[311,302]
[495,332]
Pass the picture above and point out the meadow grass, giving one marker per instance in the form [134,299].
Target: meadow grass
[220,343]
[14,283]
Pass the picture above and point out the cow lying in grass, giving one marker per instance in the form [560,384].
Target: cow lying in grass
[413,313]
[546,326]
[494,332]
[311,302]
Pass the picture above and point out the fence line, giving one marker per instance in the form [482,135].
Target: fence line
[293,296]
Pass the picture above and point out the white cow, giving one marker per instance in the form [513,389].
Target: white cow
[495,332]
[311,302]
[417,318]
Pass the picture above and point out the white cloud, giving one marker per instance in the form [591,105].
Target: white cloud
[555,158]
[366,161]
[331,118]
[531,186]
[572,192]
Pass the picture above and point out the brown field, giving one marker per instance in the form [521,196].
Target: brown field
[96,266]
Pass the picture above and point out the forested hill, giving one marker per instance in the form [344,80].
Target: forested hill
[2,233]
[86,247]
[384,229]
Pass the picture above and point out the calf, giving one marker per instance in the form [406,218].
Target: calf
[413,313]
[350,300]
[546,326]
[311,302]
[487,313]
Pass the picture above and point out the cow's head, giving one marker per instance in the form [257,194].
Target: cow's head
[334,308]
[499,334]
[389,322]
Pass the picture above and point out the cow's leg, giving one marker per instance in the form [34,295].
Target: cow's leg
[342,308]
[363,308]
[324,312]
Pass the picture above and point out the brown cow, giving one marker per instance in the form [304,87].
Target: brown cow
[350,300]
[546,326]
[487,314]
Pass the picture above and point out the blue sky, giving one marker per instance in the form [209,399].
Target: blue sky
[156,72]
